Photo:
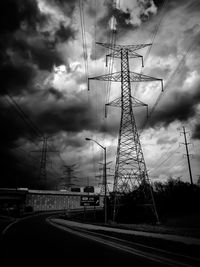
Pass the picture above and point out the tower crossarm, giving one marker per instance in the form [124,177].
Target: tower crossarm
[118,103]
[117,54]
[114,77]
[138,77]
[130,48]
[133,76]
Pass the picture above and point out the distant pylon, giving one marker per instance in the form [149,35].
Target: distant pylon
[69,172]
[43,159]
[130,168]
[102,176]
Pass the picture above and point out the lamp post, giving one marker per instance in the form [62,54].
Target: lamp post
[105,178]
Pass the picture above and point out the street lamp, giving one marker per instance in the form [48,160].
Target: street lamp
[105,178]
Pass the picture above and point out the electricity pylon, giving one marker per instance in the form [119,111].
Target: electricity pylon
[130,168]
[102,176]
[43,159]
[69,175]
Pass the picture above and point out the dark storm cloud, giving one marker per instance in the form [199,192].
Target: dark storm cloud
[57,119]
[181,106]
[57,94]
[28,42]
[21,169]
[24,49]
[12,14]
[63,33]
[17,168]
[15,12]
[15,77]
[66,113]
[52,113]
[38,52]
[67,6]
[69,117]
[123,20]
[196,131]
[12,127]
[159,3]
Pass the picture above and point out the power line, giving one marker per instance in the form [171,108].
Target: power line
[166,87]
[9,100]
[169,157]
[176,162]
[165,154]
[24,116]
[153,37]
[187,154]
[84,44]
[156,30]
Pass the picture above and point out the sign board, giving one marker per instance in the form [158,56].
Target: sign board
[89,189]
[89,200]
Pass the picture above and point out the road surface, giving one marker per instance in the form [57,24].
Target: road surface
[34,242]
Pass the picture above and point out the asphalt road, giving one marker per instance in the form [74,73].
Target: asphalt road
[34,242]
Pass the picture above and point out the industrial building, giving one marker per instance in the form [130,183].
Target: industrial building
[23,199]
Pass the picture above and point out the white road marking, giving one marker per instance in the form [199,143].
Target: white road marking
[146,255]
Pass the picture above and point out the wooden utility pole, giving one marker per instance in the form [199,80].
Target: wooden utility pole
[187,154]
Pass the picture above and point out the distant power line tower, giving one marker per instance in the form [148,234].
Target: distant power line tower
[104,183]
[43,159]
[130,168]
[69,176]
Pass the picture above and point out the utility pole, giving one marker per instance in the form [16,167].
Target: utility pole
[105,178]
[43,159]
[187,154]
[130,168]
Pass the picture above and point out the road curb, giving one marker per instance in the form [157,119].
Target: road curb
[8,226]
[167,237]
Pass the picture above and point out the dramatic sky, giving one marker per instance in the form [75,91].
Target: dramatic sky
[47,52]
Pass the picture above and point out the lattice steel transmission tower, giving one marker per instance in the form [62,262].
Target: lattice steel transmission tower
[102,176]
[69,172]
[130,168]
[43,159]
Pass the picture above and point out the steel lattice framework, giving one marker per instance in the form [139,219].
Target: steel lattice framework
[130,168]
[43,159]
